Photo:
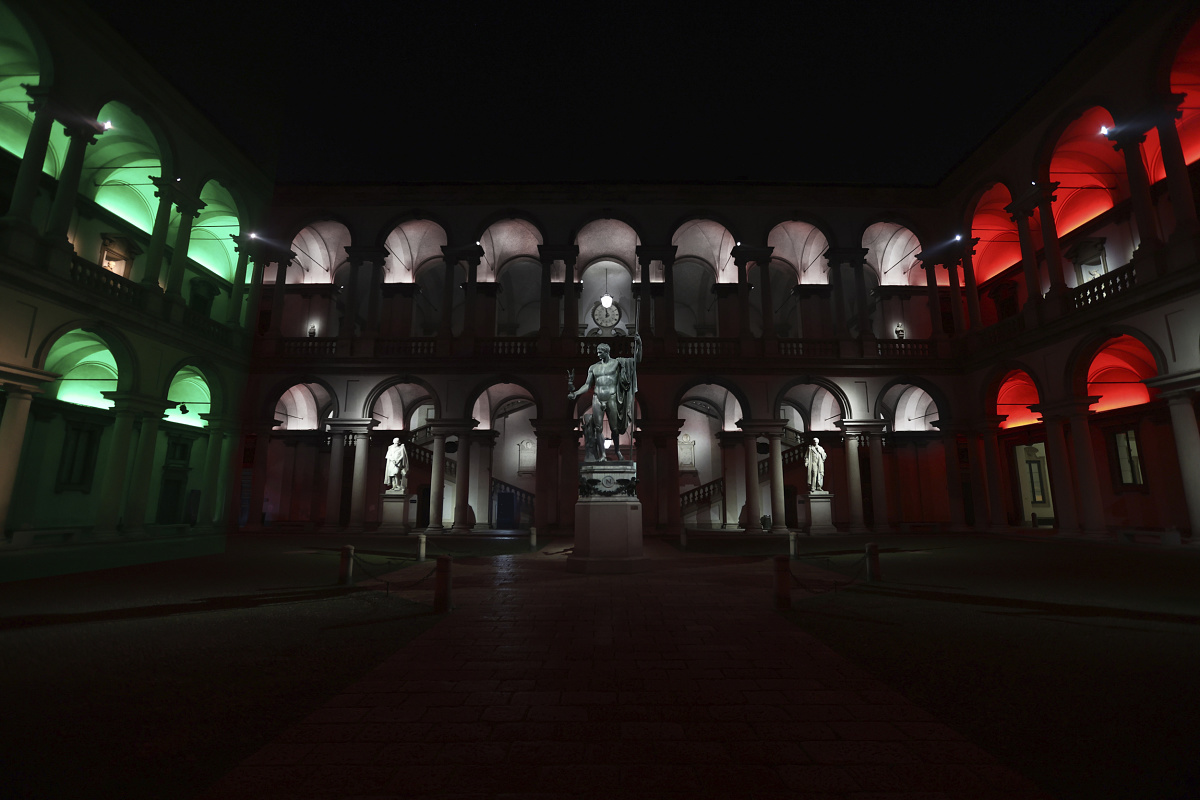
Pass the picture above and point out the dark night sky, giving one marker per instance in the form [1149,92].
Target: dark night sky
[851,92]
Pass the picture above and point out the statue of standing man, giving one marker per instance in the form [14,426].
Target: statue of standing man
[814,459]
[614,383]
[396,469]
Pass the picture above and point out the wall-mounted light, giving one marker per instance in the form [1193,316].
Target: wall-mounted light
[108,125]
[958,237]
[1104,130]
[254,236]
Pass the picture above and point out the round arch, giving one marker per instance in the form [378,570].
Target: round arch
[801,244]
[507,379]
[1010,387]
[892,248]
[212,377]
[411,245]
[987,220]
[709,241]
[126,363]
[210,244]
[24,59]
[395,380]
[840,396]
[1090,174]
[1081,357]
[271,398]
[1112,364]
[117,167]
[887,399]
[320,248]
[736,391]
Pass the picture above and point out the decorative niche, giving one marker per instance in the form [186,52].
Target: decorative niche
[117,254]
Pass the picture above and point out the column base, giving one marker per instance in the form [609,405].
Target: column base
[395,513]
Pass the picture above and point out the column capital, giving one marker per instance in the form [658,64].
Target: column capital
[566,253]
[730,438]
[762,427]
[664,253]
[451,427]
[351,425]
[86,131]
[744,254]
[24,379]
[659,427]
[472,254]
[43,96]
[1023,206]
[484,436]
[862,426]
[854,256]
[130,401]
[359,254]
[1065,409]
[1179,384]
[990,423]
[1127,137]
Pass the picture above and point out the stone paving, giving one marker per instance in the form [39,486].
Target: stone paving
[680,682]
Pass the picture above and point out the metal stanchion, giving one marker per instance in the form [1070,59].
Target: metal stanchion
[346,568]
[873,573]
[420,547]
[683,539]
[533,538]
[441,587]
[792,544]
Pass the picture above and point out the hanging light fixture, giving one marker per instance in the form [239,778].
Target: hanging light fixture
[606,300]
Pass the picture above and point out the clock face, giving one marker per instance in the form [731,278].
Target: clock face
[606,317]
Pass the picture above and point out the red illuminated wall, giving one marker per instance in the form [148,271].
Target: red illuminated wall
[1116,374]
[999,246]
[1016,392]
[1089,172]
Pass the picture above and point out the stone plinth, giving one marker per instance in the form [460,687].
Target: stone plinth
[820,513]
[395,513]
[608,520]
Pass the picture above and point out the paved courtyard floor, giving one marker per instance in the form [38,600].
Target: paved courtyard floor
[680,682]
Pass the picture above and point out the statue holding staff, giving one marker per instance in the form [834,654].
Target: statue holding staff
[614,385]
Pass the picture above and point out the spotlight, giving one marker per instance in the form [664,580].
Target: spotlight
[958,237]
[1104,130]
[254,236]
[108,125]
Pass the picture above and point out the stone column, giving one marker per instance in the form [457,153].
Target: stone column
[568,478]
[854,477]
[164,191]
[333,492]
[483,444]
[215,457]
[935,302]
[1061,483]
[1087,483]
[446,323]
[753,496]
[405,292]
[142,476]
[1130,146]
[856,258]
[729,442]
[116,468]
[358,491]
[12,439]
[68,183]
[546,305]
[462,486]
[1054,259]
[668,477]
[437,482]
[1029,265]
[1179,185]
[743,257]
[981,498]
[778,511]
[972,287]
[953,473]
[955,297]
[29,173]
[243,243]
[1187,447]
[568,254]
[988,431]
[189,210]
[545,499]
[278,296]
[879,492]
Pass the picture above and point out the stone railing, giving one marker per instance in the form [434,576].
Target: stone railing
[1002,331]
[618,346]
[791,455]
[808,348]
[309,347]
[100,281]
[405,347]
[507,346]
[206,327]
[422,455]
[905,348]
[1105,287]
[706,347]
[703,494]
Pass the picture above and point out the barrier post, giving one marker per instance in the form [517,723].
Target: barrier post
[873,573]
[346,568]
[420,547]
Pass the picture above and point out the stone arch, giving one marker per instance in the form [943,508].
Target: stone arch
[706,240]
[991,389]
[1080,359]
[127,365]
[987,220]
[218,396]
[893,394]
[412,244]
[271,399]
[319,246]
[395,380]
[801,243]
[836,391]
[500,379]
[892,246]
[590,218]
[734,390]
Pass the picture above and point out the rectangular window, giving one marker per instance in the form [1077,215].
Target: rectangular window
[1037,486]
[77,461]
[1129,459]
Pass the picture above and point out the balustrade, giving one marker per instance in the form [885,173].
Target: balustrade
[106,283]
[1105,287]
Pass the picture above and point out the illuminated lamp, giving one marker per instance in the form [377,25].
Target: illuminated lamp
[1104,130]
[108,125]
[606,299]
[254,236]
[958,237]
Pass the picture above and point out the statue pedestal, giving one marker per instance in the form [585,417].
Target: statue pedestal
[608,520]
[820,514]
[395,513]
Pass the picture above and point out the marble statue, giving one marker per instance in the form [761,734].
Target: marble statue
[814,459]
[396,467]
[614,385]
